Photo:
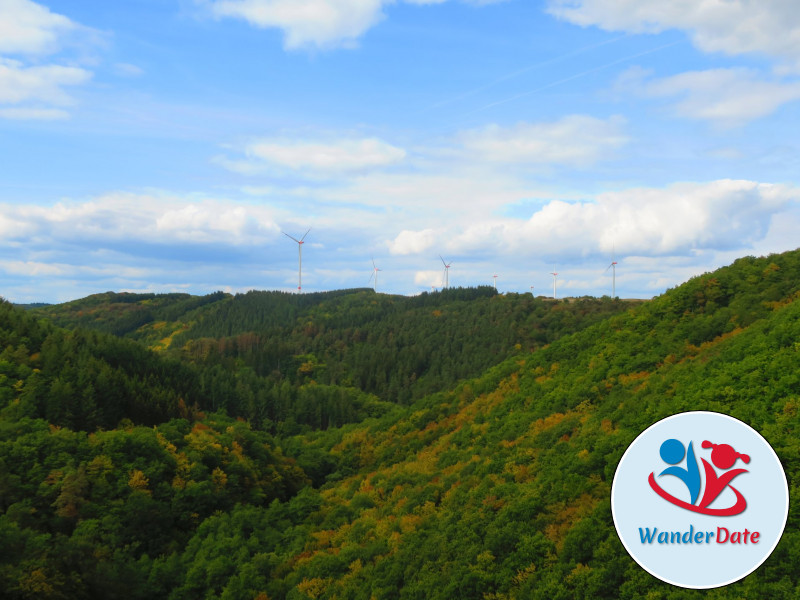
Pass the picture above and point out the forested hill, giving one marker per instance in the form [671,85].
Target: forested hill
[260,352]
[495,488]
[500,488]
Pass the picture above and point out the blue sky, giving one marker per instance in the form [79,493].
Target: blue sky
[163,145]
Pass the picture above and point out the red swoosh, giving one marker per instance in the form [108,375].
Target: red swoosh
[737,508]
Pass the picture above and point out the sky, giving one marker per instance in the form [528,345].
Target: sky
[166,145]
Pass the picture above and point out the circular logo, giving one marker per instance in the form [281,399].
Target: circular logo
[699,500]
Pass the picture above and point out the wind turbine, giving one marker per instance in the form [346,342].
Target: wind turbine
[299,258]
[613,267]
[374,274]
[555,276]
[495,281]
[446,272]
[531,290]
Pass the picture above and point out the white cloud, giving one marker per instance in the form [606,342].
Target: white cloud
[315,23]
[770,27]
[340,155]
[14,227]
[727,97]
[676,220]
[321,23]
[429,278]
[328,156]
[32,91]
[413,242]
[124,217]
[19,84]
[30,28]
[418,199]
[572,140]
[213,221]
[33,268]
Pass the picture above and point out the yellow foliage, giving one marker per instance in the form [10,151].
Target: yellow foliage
[579,570]
[165,443]
[523,574]
[35,584]
[138,481]
[546,423]
[626,379]
[219,478]
[237,450]
[791,407]
[54,477]
[323,537]
[691,349]
[521,473]
[493,502]
[99,466]
[306,368]
[409,522]
[313,588]
[566,515]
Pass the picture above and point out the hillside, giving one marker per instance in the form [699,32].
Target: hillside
[501,488]
[288,361]
[495,488]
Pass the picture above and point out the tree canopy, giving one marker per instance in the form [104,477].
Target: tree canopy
[494,484]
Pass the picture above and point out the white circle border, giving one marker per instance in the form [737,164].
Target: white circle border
[785,487]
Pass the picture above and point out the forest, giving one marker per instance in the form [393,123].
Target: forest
[349,444]
[289,363]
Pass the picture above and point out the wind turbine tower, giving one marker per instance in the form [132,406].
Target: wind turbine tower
[375,270]
[446,272]
[555,276]
[613,267]
[495,282]
[299,258]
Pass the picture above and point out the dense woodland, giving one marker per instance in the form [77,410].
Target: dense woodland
[287,363]
[244,447]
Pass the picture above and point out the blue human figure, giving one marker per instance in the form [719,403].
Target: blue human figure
[672,452]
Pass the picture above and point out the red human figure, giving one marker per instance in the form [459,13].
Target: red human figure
[724,457]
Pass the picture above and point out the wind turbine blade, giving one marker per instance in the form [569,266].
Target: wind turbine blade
[370,278]
[304,235]
[373,263]
[444,263]
[608,267]
[290,237]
